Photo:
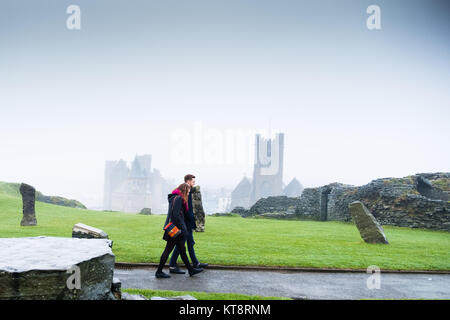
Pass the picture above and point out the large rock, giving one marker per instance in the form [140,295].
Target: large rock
[49,268]
[199,213]
[28,201]
[369,228]
[81,230]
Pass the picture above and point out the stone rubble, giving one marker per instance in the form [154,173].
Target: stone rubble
[81,230]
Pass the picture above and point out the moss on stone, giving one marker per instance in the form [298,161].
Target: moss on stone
[442,183]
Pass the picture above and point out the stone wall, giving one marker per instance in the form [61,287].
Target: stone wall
[395,201]
[275,204]
[418,201]
[308,205]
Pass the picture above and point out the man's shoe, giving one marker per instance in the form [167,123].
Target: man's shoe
[161,274]
[176,270]
[195,271]
[201,265]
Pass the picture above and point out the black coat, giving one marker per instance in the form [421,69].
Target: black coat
[176,214]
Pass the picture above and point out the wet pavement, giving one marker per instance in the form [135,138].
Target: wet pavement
[298,285]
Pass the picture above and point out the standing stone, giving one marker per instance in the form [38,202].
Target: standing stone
[28,200]
[199,213]
[146,211]
[369,228]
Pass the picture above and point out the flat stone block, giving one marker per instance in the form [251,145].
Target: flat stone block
[53,268]
[81,230]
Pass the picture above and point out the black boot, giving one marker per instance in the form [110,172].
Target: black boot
[161,274]
[176,270]
[201,265]
[195,271]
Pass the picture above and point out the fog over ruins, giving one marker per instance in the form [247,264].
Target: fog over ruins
[139,186]
[349,103]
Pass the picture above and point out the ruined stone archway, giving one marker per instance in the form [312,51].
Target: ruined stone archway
[424,187]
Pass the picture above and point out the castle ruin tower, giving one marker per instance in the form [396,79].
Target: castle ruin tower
[268,168]
[115,173]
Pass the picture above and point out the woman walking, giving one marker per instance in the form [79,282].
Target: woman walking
[178,207]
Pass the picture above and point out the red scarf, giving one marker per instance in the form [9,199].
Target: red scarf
[178,192]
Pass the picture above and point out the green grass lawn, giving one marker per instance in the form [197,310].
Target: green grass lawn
[199,295]
[239,241]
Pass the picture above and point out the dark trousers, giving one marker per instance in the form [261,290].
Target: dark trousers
[190,244]
[178,243]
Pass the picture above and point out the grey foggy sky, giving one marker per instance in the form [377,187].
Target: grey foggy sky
[354,104]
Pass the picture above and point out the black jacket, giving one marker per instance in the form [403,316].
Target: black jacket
[176,214]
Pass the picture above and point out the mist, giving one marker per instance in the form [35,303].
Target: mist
[192,82]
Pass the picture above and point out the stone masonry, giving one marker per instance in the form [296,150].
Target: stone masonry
[416,201]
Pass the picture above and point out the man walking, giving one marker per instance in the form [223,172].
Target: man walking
[190,224]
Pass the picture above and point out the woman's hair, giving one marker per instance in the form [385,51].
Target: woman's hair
[184,188]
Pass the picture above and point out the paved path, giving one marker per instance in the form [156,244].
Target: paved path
[303,285]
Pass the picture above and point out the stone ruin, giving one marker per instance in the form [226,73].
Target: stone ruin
[369,228]
[54,268]
[267,179]
[146,211]
[417,201]
[199,213]
[272,207]
[28,200]
[131,189]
